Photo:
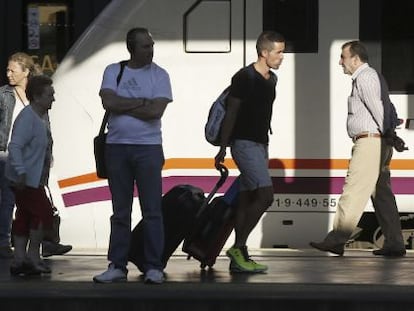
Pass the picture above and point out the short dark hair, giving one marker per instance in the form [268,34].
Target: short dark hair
[36,86]
[131,37]
[357,48]
[266,39]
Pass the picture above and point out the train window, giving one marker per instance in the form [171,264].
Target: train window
[390,25]
[297,20]
[207,27]
[398,45]
[48,32]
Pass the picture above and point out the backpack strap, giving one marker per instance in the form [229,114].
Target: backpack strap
[121,71]
[118,79]
[354,83]
[273,76]
[251,73]
[389,109]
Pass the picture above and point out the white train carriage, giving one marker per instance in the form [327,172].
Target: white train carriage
[202,44]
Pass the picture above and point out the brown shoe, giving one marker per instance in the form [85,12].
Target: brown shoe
[335,249]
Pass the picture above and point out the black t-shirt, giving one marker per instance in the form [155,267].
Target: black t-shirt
[257,95]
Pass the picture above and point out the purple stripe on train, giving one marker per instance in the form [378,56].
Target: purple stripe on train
[290,185]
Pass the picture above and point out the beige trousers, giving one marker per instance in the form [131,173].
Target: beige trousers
[368,177]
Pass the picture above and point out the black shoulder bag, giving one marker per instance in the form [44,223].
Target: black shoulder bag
[100,140]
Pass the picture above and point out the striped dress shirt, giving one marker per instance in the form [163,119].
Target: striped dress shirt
[365,104]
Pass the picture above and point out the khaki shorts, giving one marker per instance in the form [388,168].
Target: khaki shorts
[252,160]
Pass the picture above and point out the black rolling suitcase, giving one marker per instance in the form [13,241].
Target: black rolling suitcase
[213,226]
[180,206]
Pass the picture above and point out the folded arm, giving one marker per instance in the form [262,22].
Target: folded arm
[141,108]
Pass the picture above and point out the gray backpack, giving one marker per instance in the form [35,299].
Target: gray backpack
[215,118]
[218,112]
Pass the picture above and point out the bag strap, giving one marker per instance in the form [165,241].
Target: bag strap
[118,79]
[251,74]
[55,210]
[354,83]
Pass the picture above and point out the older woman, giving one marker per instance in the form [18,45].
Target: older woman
[13,99]
[27,168]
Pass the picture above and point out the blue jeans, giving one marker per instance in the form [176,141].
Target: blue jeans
[127,166]
[6,206]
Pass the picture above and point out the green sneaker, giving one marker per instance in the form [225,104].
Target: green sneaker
[240,262]
[254,267]
[258,267]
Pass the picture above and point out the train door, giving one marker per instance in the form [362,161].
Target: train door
[217,40]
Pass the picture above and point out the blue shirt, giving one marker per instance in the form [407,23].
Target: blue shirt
[28,146]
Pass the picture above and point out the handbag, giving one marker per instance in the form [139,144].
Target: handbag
[53,235]
[99,149]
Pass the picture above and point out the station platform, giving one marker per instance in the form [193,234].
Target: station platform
[304,279]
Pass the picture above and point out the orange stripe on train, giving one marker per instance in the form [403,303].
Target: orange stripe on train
[208,163]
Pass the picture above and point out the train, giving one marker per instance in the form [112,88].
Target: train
[202,43]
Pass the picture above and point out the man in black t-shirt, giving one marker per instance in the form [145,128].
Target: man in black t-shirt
[245,128]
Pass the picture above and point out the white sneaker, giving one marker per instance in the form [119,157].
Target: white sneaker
[111,275]
[153,276]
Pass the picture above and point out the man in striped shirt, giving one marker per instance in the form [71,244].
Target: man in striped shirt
[368,172]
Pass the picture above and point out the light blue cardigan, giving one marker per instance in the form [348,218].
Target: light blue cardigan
[27,147]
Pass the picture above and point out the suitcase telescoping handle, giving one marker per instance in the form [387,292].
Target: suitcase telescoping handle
[224,173]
